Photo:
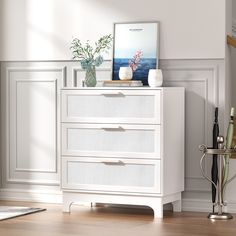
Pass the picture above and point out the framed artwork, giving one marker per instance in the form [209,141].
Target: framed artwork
[136,45]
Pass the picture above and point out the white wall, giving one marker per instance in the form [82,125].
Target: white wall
[233,55]
[42,30]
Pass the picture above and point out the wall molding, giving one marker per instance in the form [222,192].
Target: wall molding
[62,70]
[33,182]
[214,69]
[205,82]
[31,195]
[36,69]
[201,205]
[196,205]
[42,196]
[54,81]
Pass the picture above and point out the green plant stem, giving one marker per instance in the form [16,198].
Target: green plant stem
[89,54]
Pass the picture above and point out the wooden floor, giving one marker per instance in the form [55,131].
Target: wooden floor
[111,221]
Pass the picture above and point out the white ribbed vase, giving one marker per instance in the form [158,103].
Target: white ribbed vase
[125,73]
[155,78]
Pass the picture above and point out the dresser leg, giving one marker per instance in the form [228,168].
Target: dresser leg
[67,206]
[177,206]
[157,209]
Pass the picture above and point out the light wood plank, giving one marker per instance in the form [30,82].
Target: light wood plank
[113,221]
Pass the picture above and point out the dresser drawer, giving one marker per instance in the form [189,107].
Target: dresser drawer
[110,174]
[111,140]
[111,106]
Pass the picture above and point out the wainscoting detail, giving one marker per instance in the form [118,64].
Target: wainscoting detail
[31,113]
[201,92]
[23,169]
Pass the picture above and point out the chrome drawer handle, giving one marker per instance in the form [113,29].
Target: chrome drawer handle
[113,162]
[113,128]
[111,94]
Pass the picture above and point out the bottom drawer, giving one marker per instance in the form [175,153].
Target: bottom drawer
[103,174]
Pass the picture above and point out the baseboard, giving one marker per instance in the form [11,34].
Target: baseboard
[31,195]
[194,205]
[231,207]
[202,205]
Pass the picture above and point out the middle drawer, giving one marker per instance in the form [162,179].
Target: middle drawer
[111,140]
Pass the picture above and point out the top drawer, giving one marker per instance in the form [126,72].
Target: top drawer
[111,106]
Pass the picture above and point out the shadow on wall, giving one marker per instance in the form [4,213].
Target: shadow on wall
[30,34]
[124,10]
[92,19]
[41,31]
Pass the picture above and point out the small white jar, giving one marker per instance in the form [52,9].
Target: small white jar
[125,73]
[155,78]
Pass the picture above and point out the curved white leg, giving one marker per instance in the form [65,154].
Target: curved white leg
[157,209]
[177,206]
[67,206]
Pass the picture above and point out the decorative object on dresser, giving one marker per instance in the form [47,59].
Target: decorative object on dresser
[155,78]
[125,73]
[90,57]
[122,83]
[135,45]
[119,146]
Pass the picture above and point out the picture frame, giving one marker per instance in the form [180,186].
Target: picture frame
[136,45]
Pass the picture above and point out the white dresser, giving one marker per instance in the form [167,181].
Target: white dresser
[123,146]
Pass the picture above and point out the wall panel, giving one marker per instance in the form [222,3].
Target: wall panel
[30,110]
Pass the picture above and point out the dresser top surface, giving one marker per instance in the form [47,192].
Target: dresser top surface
[122,88]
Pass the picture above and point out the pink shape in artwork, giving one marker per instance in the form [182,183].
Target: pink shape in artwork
[133,63]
